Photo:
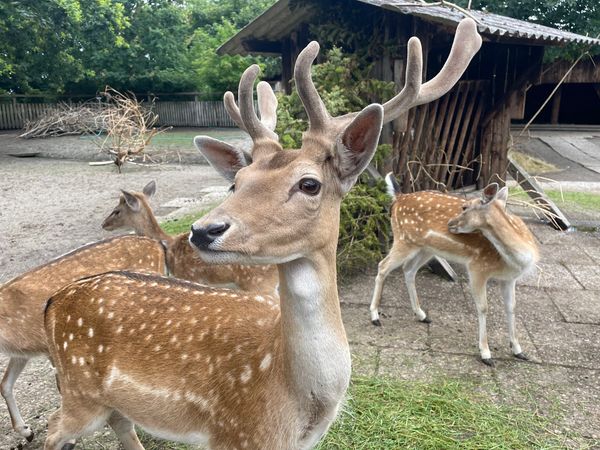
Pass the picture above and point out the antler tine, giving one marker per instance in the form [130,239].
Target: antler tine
[233,110]
[410,92]
[255,128]
[267,105]
[467,43]
[315,108]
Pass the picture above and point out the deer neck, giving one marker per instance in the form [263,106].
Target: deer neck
[504,234]
[316,355]
[149,227]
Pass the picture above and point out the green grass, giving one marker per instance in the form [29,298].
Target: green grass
[577,200]
[390,414]
[181,224]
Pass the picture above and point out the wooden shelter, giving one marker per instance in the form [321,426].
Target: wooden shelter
[576,98]
[460,139]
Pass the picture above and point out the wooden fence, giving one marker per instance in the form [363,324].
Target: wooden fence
[192,114]
[14,115]
[170,113]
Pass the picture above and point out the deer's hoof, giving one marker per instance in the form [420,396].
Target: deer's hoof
[488,362]
[523,356]
[376,322]
[425,320]
[68,446]
[26,432]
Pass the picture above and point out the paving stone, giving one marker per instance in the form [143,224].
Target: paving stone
[360,290]
[534,304]
[399,329]
[428,366]
[565,254]
[454,333]
[550,276]
[548,235]
[588,276]
[572,394]
[577,306]
[569,344]
[593,251]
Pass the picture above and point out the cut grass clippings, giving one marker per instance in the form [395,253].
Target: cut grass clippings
[392,414]
[384,413]
[533,165]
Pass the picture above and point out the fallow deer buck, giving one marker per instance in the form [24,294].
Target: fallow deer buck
[206,365]
[22,301]
[479,233]
[134,211]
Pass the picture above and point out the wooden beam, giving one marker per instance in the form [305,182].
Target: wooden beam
[556,218]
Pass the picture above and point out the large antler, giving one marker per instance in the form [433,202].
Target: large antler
[466,44]
[245,116]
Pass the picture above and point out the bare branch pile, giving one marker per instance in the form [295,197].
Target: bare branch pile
[66,119]
[123,126]
[129,127]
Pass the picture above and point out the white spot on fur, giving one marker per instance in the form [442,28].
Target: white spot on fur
[246,374]
[266,362]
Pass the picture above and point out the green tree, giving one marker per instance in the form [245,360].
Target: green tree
[216,22]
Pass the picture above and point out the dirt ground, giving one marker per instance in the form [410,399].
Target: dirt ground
[49,206]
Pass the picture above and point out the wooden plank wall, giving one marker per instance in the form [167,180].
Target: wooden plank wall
[13,115]
[440,150]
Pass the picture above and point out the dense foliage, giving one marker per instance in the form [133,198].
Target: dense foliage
[80,46]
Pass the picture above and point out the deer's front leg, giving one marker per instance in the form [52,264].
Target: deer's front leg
[14,369]
[508,293]
[479,288]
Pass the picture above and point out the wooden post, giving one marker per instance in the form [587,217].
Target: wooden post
[556,106]
[556,218]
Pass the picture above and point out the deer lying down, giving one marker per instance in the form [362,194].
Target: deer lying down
[225,369]
[22,301]
[480,234]
[134,211]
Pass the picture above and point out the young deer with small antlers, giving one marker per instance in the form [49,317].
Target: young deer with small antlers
[134,211]
[22,301]
[205,365]
[479,233]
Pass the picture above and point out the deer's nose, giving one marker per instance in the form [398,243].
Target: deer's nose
[202,237]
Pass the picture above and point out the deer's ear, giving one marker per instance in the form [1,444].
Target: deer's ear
[489,192]
[357,144]
[131,201]
[502,196]
[149,189]
[224,158]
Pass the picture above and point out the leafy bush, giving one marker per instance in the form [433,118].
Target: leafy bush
[364,228]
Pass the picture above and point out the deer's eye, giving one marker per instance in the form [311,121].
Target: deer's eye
[117,212]
[232,188]
[465,207]
[309,186]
